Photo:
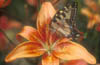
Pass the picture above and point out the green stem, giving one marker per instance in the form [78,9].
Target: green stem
[6,37]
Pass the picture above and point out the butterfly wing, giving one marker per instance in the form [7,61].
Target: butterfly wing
[63,22]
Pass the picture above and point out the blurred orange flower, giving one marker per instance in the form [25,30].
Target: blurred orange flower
[4,3]
[6,24]
[93,18]
[3,22]
[93,4]
[42,41]
[92,12]
[3,42]
[98,28]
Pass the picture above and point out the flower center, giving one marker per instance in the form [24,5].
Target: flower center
[49,47]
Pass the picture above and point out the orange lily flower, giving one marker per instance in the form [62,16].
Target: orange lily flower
[93,5]
[4,3]
[42,41]
[93,18]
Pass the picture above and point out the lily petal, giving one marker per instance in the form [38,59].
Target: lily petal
[44,18]
[29,33]
[53,38]
[49,60]
[47,12]
[75,62]
[63,40]
[60,41]
[26,49]
[72,51]
[45,15]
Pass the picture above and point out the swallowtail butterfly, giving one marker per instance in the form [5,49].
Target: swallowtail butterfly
[64,23]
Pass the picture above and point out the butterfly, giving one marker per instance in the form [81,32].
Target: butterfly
[64,23]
